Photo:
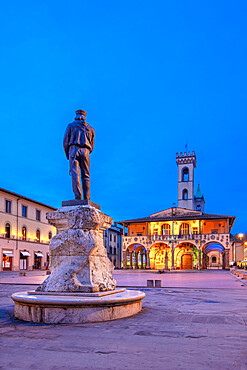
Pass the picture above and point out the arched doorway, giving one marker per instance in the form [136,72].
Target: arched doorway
[213,253]
[160,256]
[187,261]
[186,257]
[136,256]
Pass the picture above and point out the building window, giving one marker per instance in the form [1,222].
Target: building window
[38,235]
[7,230]
[198,207]
[214,259]
[37,215]
[115,238]
[24,233]
[8,206]
[49,235]
[110,237]
[185,194]
[24,211]
[110,250]
[185,174]
[195,230]
[166,229]
[184,229]
[138,234]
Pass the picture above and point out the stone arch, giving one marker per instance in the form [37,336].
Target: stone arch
[213,246]
[186,256]
[160,256]
[135,256]
[185,194]
[213,249]
[185,174]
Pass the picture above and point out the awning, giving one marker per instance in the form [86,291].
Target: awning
[26,254]
[244,261]
[8,253]
[39,254]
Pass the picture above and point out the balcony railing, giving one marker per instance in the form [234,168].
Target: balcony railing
[177,238]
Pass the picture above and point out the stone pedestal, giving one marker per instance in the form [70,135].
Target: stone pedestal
[80,287]
[79,261]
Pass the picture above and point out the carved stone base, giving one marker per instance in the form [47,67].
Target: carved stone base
[79,261]
[77,308]
[79,202]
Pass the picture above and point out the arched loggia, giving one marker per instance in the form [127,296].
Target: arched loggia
[214,253]
[136,256]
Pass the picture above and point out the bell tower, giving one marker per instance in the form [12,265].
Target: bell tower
[186,163]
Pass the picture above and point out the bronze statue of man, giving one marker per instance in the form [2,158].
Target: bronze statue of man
[78,143]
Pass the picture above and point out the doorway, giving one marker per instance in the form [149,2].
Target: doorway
[186,262]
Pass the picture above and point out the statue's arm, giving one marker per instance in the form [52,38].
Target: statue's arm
[66,141]
[92,141]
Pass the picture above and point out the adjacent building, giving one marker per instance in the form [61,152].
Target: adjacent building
[24,232]
[239,250]
[182,237]
[113,245]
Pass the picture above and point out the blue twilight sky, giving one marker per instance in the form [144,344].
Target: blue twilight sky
[151,75]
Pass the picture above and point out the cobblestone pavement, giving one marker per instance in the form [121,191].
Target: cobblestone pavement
[178,328]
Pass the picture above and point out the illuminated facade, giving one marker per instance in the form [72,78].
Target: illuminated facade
[182,237]
[238,254]
[24,233]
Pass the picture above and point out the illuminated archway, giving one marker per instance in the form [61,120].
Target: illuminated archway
[186,256]
[160,256]
[213,255]
[136,256]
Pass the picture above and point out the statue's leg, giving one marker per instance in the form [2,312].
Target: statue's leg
[75,174]
[85,176]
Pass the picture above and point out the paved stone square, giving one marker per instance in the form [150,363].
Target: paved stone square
[200,326]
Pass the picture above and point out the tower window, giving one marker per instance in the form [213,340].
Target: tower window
[198,207]
[185,194]
[185,174]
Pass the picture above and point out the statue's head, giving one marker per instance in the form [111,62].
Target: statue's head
[80,114]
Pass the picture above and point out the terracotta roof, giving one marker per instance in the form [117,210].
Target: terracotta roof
[26,198]
[203,216]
